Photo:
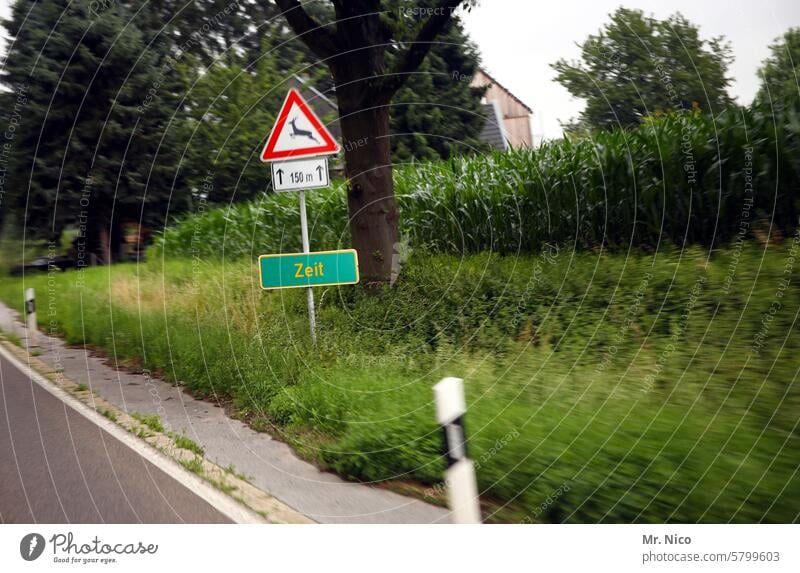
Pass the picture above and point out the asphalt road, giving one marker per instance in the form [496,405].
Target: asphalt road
[56,466]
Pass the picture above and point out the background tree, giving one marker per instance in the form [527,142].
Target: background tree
[636,66]
[437,114]
[354,46]
[92,146]
[209,30]
[230,109]
[780,74]
[434,115]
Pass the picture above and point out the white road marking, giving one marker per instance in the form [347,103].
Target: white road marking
[227,506]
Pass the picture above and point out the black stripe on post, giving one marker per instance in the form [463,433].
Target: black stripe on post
[455,441]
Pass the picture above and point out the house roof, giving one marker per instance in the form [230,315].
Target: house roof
[505,89]
[323,106]
[493,131]
[318,94]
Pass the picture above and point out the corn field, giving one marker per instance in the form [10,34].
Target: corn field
[678,179]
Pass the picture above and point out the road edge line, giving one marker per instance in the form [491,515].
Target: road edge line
[223,503]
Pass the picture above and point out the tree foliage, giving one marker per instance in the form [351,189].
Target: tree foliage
[92,144]
[780,73]
[230,107]
[637,66]
[437,114]
[355,46]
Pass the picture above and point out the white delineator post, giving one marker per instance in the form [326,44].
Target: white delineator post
[462,488]
[30,315]
[312,319]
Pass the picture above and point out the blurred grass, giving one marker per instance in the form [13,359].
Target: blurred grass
[557,351]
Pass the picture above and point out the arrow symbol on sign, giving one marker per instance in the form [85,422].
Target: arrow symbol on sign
[319,171]
[279,173]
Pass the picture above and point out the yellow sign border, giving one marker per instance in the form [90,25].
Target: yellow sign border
[279,255]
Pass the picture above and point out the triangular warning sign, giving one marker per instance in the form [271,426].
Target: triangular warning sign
[297,132]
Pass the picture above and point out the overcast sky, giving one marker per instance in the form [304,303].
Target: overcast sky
[519,39]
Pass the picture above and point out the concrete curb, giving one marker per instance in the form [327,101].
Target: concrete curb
[271,466]
[259,507]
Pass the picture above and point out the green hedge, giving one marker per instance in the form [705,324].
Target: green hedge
[681,179]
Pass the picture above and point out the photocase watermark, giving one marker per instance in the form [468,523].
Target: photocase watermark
[201,197]
[614,58]
[677,335]
[66,549]
[425,11]
[31,546]
[630,318]
[744,220]
[687,149]
[155,395]
[52,269]
[776,304]
[440,488]
[14,116]
[352,144]
[83,227]
[688,156]
[52,329]
[171,61]
[546,503]
[97,7]
[15,113]
[548,255]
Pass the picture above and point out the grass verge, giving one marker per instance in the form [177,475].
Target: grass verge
[644,387]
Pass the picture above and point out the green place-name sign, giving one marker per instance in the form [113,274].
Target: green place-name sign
[294,270]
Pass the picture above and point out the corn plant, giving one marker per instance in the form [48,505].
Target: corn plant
[687,178]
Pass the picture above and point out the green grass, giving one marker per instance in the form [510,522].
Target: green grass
[152,421]
[592,395]
[108,414]
[188,444]
[231,469]
[194,465]
[12,338]
[81,388]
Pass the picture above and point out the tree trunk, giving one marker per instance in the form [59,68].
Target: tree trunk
[355,51]
[370,197]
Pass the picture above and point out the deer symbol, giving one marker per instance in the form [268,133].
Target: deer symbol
[300,132]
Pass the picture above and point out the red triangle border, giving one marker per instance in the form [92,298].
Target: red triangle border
[329,147]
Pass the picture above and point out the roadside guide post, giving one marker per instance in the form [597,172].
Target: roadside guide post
[30,316]
[462,488]
[297,148]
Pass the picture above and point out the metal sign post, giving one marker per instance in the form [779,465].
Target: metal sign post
[312,317]
[296,147]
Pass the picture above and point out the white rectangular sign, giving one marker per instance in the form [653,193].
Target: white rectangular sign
[310,173]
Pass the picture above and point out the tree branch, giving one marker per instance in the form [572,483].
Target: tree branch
[319,39]
[408,62]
